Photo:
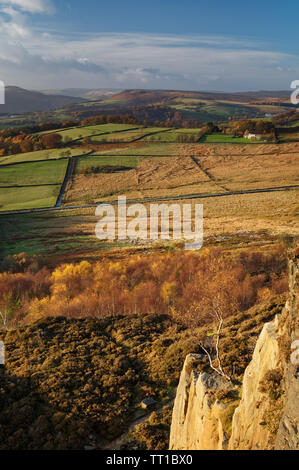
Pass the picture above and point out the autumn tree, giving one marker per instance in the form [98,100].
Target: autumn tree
[51,141]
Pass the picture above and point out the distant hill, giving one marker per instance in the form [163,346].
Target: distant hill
[138,97]
[19,100]
[100,94]
[87,93]
[196,106]
[150,105]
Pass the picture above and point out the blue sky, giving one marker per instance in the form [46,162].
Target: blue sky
[168,44]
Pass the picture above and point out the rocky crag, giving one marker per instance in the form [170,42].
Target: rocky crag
[261,413]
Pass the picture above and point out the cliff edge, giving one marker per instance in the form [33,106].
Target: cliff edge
[211,413]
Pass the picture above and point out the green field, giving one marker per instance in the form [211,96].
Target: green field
[42,155]
[222,138]
[28,198]
[102,161]
[33,173]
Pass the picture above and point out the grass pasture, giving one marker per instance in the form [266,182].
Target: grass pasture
[28,198]
[39,173]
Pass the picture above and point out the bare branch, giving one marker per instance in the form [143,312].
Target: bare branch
[219,370]
[210,359]
[4,320]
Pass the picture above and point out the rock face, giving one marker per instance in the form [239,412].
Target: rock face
[288,435]
[267,415]
[248,429]
[197,418]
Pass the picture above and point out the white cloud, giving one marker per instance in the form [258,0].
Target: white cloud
[31,6]
[14,28]
[47,59]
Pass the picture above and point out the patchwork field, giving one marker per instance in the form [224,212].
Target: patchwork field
[147,170]
[195,169]
[125,133]
[79,132]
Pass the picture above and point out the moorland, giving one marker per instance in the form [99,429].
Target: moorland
[93,327]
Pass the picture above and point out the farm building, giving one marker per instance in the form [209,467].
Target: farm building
[250,136]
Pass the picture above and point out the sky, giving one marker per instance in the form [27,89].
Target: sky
[159,44]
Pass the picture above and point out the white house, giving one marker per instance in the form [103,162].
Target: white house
[250,136]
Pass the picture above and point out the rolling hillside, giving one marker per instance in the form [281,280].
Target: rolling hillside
[158,96]
[190,105]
